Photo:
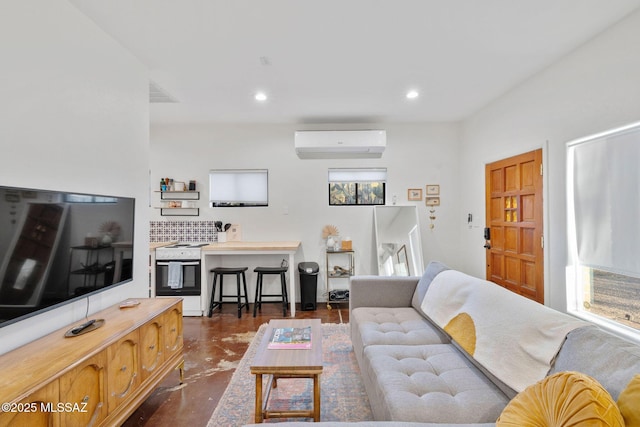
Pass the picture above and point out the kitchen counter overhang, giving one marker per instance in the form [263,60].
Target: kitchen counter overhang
[286,248]
[279,247]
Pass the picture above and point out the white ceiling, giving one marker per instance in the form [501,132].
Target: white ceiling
[344,61]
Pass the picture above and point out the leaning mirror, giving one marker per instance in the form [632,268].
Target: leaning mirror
[398,242]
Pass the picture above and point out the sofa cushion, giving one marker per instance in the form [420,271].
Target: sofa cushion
[433,269]
[395,326]
[610,360]
[399,325]
[430,383]
[563,399]
[629,402]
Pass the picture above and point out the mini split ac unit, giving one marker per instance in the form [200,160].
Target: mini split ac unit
[340,144]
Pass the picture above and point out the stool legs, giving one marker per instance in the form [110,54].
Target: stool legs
[246,298]
[214,304]
[285,297]
[257,301]
[283,293]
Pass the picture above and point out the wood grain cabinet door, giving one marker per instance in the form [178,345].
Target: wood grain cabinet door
[173,331]
[123,374]
[37,410]
[151,348]
[85,387]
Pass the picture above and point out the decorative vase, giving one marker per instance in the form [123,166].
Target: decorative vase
[330,243]
[106,239]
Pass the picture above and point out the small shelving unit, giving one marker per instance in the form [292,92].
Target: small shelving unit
[340,265]
[179,198]
[94,265]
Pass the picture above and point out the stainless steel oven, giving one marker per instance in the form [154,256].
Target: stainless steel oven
[178,269]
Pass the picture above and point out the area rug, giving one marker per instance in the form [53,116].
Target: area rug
[343,397]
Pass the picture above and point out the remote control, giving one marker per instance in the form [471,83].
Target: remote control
[82,327]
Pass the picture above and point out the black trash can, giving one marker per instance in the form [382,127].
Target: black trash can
[308,284]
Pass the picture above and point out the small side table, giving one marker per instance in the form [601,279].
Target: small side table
[282,363]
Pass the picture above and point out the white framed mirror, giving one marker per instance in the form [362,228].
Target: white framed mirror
[398,242]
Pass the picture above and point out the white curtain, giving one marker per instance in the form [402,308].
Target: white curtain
[249,186]
[358,175]
[605,209]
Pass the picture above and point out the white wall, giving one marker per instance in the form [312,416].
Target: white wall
[416,155]
[595,88]
[74,108]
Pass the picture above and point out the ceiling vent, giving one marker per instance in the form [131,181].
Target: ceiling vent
[340,144]
[159,95]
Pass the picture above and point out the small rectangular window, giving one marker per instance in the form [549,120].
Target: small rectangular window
[238,187]
[361,186]
[84,198]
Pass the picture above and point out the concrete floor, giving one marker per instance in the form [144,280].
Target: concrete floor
[212,349]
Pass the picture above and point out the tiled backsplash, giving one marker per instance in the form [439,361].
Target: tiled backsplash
[182,231]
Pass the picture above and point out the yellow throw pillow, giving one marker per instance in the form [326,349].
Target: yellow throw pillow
[629,403]
[565,399]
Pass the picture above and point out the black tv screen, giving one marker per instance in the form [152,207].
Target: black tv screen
[58,246]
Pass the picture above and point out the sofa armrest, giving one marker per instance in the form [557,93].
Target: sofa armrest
[381,291]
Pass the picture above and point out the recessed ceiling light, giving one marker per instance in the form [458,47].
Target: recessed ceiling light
[261,96]
[412,94]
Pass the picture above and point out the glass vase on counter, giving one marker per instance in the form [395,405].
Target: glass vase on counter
[334,243]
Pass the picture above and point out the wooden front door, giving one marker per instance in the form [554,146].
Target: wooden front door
[514,218]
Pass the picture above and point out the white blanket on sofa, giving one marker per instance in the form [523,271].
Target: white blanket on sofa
[514,338]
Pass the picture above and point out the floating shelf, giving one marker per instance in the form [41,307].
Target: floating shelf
[179,211]
[179,195]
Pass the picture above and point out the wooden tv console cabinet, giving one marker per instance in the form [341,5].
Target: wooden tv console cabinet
[98,378]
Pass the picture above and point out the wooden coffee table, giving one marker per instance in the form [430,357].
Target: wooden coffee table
[295,363]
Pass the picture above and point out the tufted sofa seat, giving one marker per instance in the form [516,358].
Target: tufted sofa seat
[429,379]
[384,326]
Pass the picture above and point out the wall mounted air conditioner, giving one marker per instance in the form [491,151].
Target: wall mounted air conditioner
[340,144]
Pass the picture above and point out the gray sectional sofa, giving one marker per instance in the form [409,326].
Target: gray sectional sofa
[416,374]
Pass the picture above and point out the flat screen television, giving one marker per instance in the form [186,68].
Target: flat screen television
[57,246]
[238,187]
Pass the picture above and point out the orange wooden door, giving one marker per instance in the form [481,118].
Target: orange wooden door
[514,217]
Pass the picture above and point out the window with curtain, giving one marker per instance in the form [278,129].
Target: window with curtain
[238,187]
[604,225]
[84,198]
[357,186]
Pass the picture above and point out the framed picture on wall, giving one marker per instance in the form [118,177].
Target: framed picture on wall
[432,201]
[433,189]
[414,194]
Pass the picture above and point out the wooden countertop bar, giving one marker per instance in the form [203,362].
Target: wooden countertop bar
[154,245]
[253,246]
